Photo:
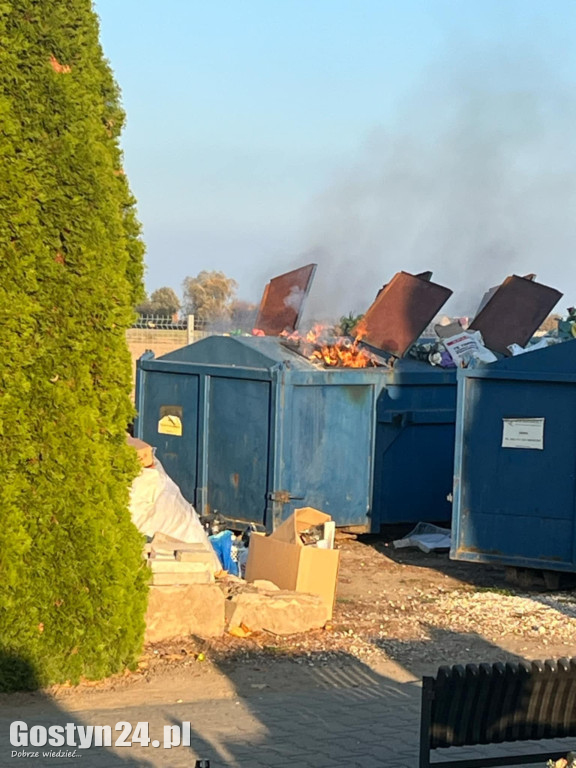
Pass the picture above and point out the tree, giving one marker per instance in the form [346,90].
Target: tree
[348,323]
[73,586]
[163,302]
[209,296]
[551,323]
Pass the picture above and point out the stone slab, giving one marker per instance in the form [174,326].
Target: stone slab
[180,611]
[281,612]
[171,578]
[177,566]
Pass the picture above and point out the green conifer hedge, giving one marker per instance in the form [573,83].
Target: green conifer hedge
[72,583]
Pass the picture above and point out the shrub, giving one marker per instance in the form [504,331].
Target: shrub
[72,582]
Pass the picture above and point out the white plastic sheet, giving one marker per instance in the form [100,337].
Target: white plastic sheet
[426,537]
[157,506]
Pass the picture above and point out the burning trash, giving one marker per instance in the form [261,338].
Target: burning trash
[322,346]
[344,353]
[403,310]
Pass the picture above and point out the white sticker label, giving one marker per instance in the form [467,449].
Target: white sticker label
[523,433]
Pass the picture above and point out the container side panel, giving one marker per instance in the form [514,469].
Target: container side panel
[413,472]
[518,502]
[330,462]
[423,394]
[529,540]
[414,456]
[170,424]
[239,433]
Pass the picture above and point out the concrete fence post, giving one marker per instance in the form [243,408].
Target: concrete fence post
[190,328]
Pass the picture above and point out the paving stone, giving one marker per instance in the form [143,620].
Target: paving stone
[325,728]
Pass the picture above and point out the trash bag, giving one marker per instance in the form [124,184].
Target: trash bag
[467,349]
[224,547]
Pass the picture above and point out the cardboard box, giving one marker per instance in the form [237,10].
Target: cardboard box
[283,559]
[144,451]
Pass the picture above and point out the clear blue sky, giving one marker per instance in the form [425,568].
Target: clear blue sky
[375,135]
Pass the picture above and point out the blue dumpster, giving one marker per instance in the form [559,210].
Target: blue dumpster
[248,427]
[414,460]
[251,428]
[515,462]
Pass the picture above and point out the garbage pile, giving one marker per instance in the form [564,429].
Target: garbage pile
[177,548]
[395,324]
[505,326]
[206,576]
[456,347]
[566,329]
[299,555]
[230,547]
[321,345]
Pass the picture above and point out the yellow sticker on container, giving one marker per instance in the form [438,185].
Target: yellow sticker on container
[170,425]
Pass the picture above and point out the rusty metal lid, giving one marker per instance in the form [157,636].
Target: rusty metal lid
[402,310]
[513,312]
[283,299]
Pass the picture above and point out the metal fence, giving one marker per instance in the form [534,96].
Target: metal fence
[166,323]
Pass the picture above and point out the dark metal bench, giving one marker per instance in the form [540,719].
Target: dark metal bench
[496,704]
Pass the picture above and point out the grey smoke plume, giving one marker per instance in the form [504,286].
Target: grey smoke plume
[474,179]
[294,298]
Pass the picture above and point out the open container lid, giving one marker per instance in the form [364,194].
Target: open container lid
[281,306]
[513,312]
[401,312]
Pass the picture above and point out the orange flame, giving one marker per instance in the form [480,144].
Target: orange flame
[334,352]
[360,330]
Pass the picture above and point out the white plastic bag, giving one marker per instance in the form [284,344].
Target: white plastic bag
[516,349]
[467,346]
[157,506]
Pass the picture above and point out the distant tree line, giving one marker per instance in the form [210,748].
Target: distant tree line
[210,297]
[163,302]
